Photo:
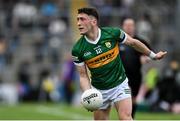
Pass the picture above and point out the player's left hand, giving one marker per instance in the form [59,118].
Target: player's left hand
[160,55]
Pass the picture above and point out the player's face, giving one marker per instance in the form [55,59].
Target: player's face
[84,23]
[129,26]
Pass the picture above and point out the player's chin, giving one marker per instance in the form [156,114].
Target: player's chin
[82,33]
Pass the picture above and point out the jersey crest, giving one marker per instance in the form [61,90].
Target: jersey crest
[108,44]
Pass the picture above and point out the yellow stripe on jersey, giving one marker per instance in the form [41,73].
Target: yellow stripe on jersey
[104,58]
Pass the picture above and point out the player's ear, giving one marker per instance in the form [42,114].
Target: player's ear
[94,21]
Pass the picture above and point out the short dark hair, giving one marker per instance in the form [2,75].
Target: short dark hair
[125,18]
[89,11]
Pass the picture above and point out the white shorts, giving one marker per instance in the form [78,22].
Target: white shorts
[115,94]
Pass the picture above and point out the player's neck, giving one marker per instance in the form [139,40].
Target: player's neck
[93,35]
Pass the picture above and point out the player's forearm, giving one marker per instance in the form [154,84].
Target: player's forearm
[139,46]
[84,83]
[84,79]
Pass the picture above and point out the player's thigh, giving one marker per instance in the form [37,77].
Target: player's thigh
[102,114]
[124,108]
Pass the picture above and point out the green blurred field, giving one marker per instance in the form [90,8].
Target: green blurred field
[42,111]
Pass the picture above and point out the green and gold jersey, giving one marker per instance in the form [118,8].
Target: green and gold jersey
[102,57]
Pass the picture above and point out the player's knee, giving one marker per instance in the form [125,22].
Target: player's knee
[101,114]
[101,118]
[125,115]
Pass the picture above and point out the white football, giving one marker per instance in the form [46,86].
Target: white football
[91,99]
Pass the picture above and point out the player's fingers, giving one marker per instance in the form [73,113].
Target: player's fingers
[164,53]
[161,53]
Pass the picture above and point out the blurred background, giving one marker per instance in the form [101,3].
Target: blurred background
[36,37]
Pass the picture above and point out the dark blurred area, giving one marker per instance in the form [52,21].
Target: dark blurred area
[36,39]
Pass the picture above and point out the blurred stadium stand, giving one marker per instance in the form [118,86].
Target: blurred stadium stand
[39,32]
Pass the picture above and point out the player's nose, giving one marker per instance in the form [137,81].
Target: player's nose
[79,23]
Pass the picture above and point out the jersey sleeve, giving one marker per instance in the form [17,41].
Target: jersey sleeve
[76,57]
[119,34]
[122,36]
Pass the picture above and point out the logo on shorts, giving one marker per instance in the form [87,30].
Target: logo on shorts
[127,91]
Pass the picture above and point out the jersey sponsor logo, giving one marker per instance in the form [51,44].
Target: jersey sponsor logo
[108,44]
[103,58]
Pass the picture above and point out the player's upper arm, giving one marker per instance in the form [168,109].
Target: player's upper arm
[137,45]
[129,40]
